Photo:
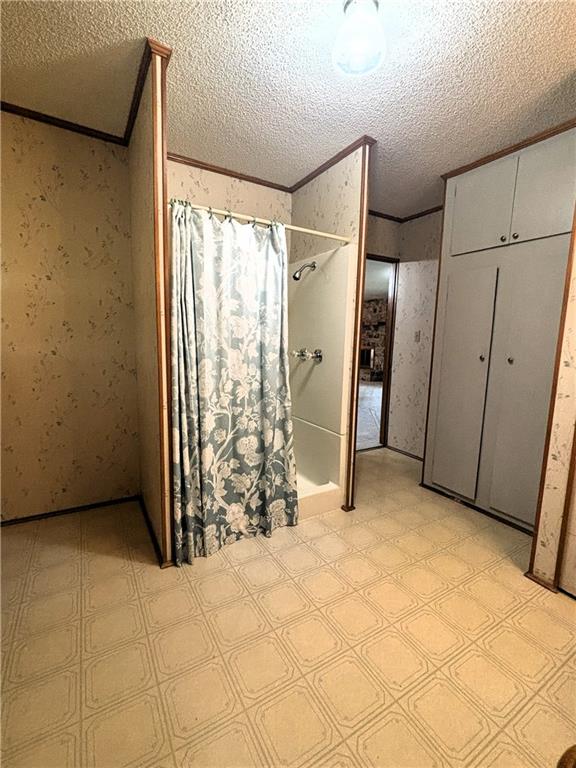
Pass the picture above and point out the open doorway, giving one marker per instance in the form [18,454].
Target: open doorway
[376,342]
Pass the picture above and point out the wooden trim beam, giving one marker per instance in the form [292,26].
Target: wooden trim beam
[225,172]
[547,134]
[158,83]
[387,216]
[57,122]
[150,46]
[420,214]
[350,479]
[137,95]
[404,219]
[363,141]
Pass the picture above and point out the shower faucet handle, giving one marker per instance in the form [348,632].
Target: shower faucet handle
[305,354]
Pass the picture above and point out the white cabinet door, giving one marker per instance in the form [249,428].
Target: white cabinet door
[545,188]
[464,360]
[482,208]
[526,322]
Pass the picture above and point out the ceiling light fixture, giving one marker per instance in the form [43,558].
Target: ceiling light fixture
[359,46]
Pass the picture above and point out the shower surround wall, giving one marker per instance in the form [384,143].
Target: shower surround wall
[69,423]
[321,312]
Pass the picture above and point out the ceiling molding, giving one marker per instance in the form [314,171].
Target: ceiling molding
[403,220]
[547,134]
[57,122]
[160,49]
[225,172]
[138,90]
[361,142]
[419,215]
[387,216]
[151,47]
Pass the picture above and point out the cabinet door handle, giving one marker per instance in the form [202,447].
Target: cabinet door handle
[502,238]
[510,361]
[481,358]
[515,236]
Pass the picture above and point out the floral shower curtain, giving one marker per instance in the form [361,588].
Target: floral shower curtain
[233,459]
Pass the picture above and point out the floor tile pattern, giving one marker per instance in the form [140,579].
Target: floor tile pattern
[403,634]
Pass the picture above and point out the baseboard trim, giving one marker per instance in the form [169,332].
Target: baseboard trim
[509,523]
[97,505]
[404,453]
[157,550]
[546,584]
[68,511]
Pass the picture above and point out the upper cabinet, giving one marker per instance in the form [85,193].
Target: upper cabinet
[526,195]
[545,188]
[483,201]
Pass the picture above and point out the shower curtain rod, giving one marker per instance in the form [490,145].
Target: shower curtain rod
[256,220]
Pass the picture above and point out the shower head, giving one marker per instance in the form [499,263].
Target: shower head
[298,274]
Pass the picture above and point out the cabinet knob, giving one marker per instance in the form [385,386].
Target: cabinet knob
[502,238]
[482,358]
[510,361]
[515,236]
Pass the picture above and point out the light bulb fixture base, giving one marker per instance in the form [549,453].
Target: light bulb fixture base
[359,45]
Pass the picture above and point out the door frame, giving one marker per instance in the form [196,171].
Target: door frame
[389,347]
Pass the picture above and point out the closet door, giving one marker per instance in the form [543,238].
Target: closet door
[545,188]
[528,307]
[482,208]
[465,355]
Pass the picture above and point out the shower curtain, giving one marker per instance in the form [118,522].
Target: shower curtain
[233,459]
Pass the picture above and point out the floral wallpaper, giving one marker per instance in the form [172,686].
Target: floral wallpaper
[330,203]
[559,456]
[416,244]
[140,159]
[69,425]
[383,237]
[209,188]
[420,238]
[413,331]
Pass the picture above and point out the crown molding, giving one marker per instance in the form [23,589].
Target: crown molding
[547,134]
[403,220]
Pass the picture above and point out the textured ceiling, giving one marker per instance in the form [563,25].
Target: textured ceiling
[252,87]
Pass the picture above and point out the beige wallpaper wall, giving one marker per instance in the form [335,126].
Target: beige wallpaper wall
[414,326]
[420,238]
[69,426]
[417,244]
[568,570]
[209,188]
[558,460]
[330,203]
[143,263]
[383,237]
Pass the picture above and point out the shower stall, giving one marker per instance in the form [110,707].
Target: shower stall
[320,318]
[325,213]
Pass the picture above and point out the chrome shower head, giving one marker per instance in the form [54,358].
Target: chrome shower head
[298,274]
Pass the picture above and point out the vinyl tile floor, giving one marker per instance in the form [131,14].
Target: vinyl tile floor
[403,634]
